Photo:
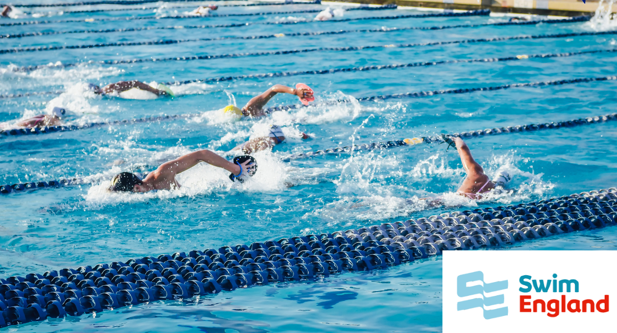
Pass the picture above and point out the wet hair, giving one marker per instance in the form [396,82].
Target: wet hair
[124,182]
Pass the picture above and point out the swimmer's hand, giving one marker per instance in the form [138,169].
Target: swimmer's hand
[303,93]
[459,142]
[247,167]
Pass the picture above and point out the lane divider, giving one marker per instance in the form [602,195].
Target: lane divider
[133,18]
[63,182]
[259,4]
[87,289]
[245,24]
[105,2]
[322,49]
[209,39]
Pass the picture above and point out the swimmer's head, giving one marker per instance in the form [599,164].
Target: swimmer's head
[58,112]
[94,88]
[244,174]
[233,111]
[125,182]
[276,133]
[502,178]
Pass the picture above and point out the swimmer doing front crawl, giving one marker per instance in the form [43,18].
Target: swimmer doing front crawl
[132,90]
[254,108]
[164,177]
[477,182]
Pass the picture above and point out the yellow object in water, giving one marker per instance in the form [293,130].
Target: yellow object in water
[279,35]
[413,141]
[522,56]
[233,110]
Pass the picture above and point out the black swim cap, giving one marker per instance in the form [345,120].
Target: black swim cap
[124,182]
[239,160]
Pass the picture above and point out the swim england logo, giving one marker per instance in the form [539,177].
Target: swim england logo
[463,290]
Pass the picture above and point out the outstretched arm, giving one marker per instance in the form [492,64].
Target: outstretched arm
[255,105]
[170,169]
[127,85]
[471,166]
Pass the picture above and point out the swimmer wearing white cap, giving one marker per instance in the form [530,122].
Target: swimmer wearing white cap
[123,86]
[42,120]
[477,182]
[274,138]
[164,177]
[254,108]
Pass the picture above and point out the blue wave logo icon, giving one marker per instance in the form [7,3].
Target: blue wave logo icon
[463,291]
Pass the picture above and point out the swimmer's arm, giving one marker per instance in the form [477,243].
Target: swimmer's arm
[254,106]
[257,144]
[471,166]
[170,169]
[127,85]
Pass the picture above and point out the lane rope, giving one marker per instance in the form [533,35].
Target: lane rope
[245,24]
[238,25]
[209,39]
[354,69]
[174,17]
[323,49]
[317,2]
[109,2]
[87,289]
[63,182]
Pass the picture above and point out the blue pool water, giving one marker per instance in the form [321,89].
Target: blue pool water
[85,225]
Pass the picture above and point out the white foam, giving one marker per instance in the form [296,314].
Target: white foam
[602,18]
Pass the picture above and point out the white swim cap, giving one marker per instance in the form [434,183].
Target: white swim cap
[58,112]
[502,178]
[276,132]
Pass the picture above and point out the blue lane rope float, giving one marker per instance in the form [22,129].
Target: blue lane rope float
[260,4]
[180,41]
[156,18]
[87,289]
[322,49]
[245,24]
[237,25]
[420,94]
[29,186]
[355,69]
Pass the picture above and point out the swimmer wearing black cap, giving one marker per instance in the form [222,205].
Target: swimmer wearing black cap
[164,177]
[274,138]
[122,86]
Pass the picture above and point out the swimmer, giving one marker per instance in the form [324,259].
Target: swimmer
[274,138]
[42,120]
[254,108]
[477,182]
[204,10]
[6,11]
[328,14]
[164,177]
[125,86]
[519,19]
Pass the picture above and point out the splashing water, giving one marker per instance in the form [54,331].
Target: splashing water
[602,20]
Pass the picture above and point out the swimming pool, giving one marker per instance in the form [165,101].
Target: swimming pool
[84,225]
